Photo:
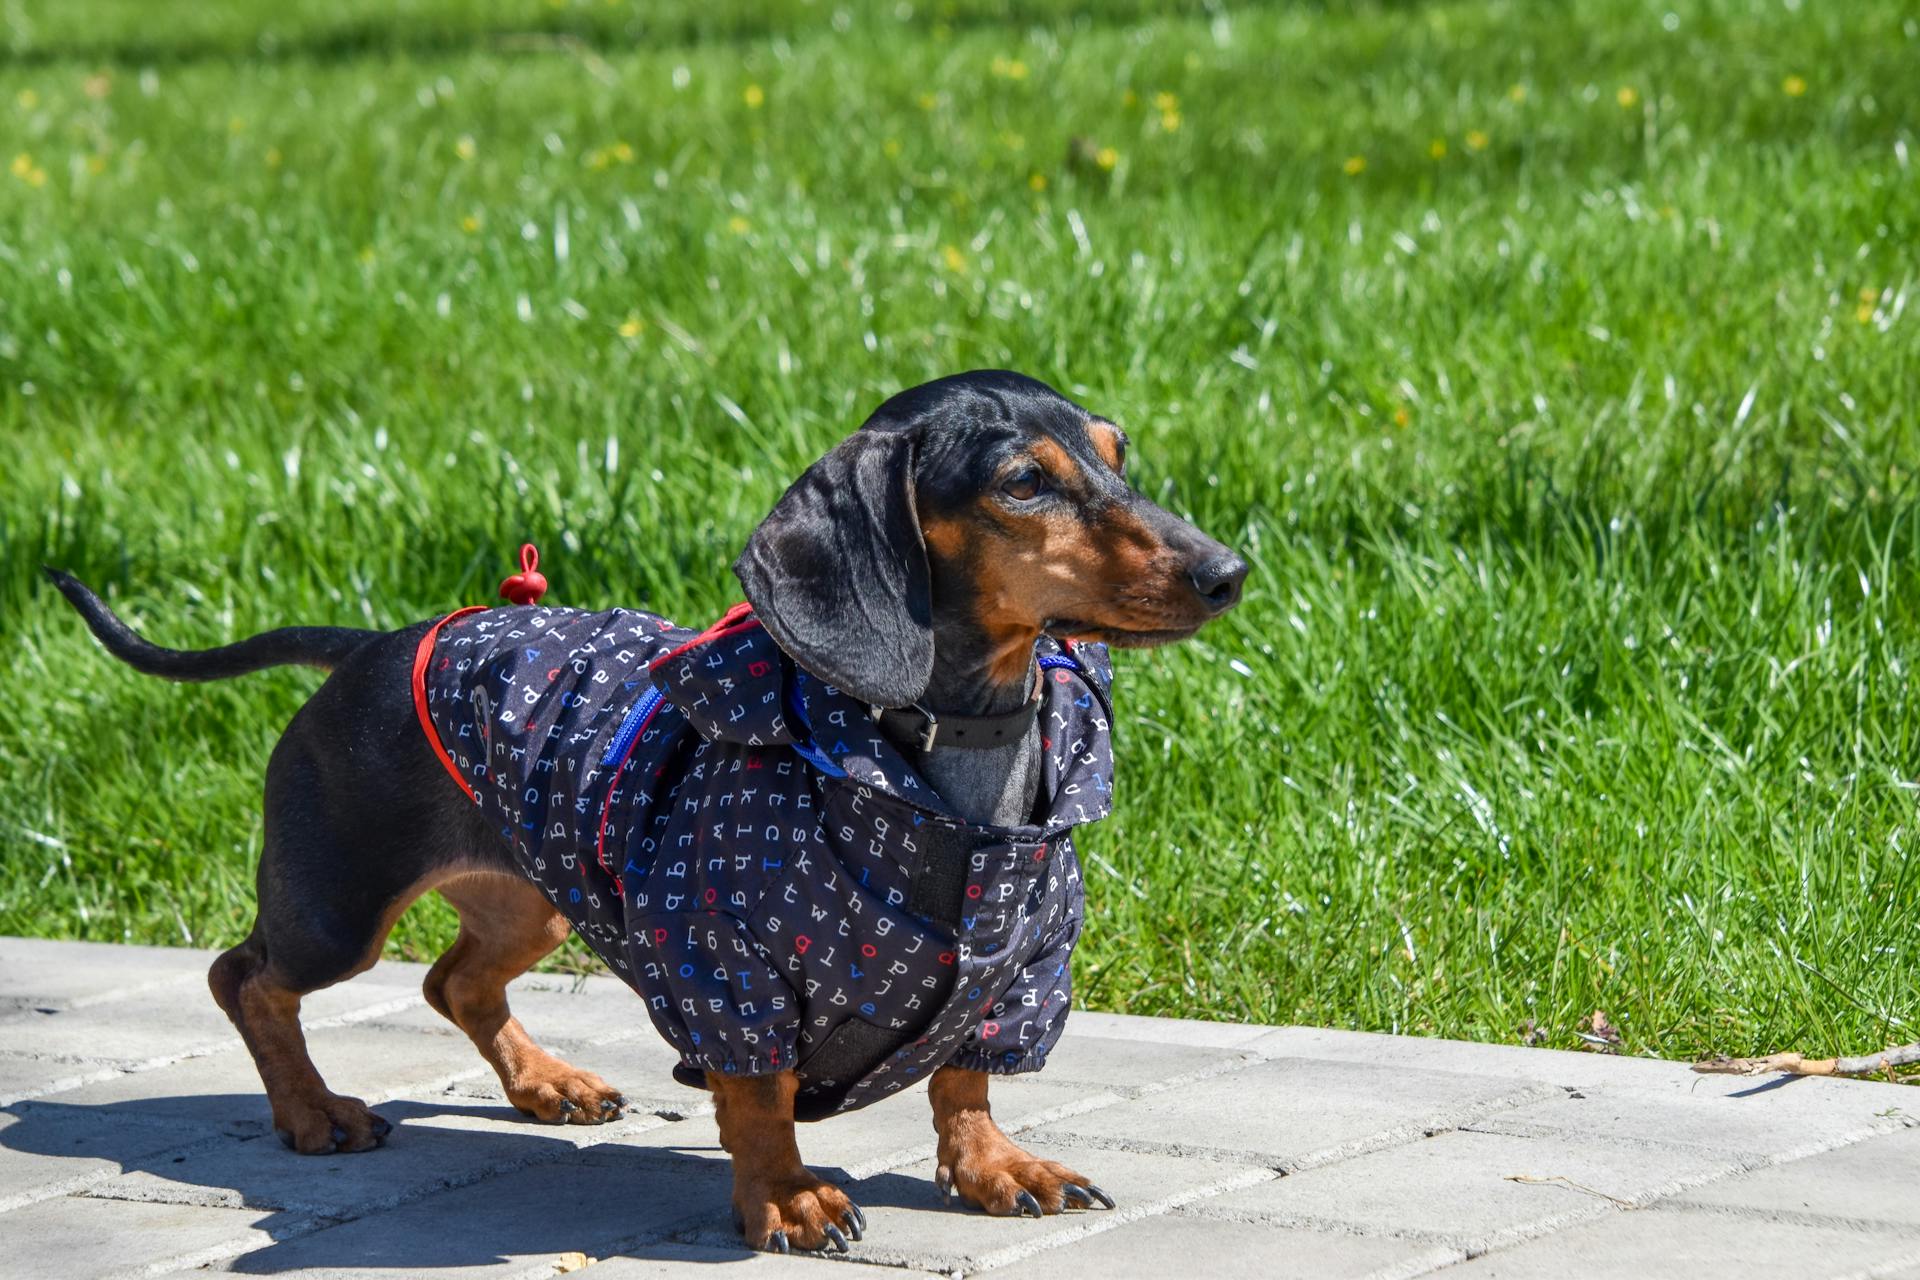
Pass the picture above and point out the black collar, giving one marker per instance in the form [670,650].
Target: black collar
[929,732]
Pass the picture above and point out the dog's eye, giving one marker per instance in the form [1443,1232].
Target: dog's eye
[1026,486]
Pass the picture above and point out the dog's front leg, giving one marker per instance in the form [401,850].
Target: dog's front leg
[778,1202]
[985,1166]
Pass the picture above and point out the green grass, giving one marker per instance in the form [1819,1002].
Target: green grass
[1556,367]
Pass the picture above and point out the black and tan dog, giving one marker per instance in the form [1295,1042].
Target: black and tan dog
[952,571]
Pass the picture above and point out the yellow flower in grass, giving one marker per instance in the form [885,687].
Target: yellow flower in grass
[754,96]
[956,261]
[928,102]
[1106,158]
[1517,93]
[1037,181]
[1794,86]
[1129,99]
[470,224]
[97,86]
[1864,313]
[1437,148]
[366,255]
[739,225]
[1401,417]
[22,165]
[1476,140]
[1170,121]
[1009,68]
[1627,96]
[623,152]
[28,99]
[1354,166]
[465,147]
[236,125]
[633,326]
[272,157]
[96,165]
[1165,102]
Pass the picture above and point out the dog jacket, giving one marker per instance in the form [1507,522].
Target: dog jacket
[738,841]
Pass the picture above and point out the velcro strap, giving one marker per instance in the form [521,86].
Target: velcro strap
[938,882]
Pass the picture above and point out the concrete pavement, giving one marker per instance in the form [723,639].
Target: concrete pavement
[134,1141]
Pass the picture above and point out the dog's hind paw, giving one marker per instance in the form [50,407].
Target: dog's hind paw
[325,1123]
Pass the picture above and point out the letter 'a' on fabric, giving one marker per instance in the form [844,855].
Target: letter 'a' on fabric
[739,843]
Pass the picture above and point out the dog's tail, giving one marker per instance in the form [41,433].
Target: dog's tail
[322,647]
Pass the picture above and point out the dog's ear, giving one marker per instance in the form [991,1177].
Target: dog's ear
[838,572]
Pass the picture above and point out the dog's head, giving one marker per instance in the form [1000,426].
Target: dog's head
[985,497]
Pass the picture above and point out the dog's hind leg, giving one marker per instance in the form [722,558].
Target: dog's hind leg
[506,926]
[347,849]
[265,1007]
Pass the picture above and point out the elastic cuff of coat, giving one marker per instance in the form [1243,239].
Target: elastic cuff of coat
[733,1066]
[997,1064]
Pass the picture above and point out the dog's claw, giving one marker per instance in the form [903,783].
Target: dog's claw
[777,1243]
[1106,1201]
[833,1234]
[1027,1205]
[381,1126]
[859,1220]
[608,1104]
[1078,1197]
[568,1106]
[338,1135]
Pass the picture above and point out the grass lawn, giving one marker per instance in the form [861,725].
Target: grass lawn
[1557,367]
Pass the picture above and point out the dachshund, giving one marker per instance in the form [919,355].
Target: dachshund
[828,840]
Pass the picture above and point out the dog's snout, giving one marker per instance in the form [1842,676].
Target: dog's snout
[1218,581]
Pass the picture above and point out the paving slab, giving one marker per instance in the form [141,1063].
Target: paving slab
[1471,1190]
[145,1149]
[597,1201]
[39,1160]
[1177,1244]
[661,1261]
[1294,1113]
[23,1075]
[1776,1121]
[1693,1243]
[1128,1067]
[66,975]
[222,1090]
[75,1236]
[1876,1181]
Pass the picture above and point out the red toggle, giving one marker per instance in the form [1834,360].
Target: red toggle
[528,585]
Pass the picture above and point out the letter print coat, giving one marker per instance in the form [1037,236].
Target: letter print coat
[738,841]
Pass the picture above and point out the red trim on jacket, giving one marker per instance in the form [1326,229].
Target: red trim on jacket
[738,618]
[421,657]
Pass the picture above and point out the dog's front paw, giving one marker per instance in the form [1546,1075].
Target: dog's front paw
[551,1090]
[1012,1183]
[796,1212]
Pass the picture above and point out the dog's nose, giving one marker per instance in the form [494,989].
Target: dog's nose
[1218,581]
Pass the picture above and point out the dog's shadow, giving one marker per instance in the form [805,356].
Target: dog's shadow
[422,1202]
